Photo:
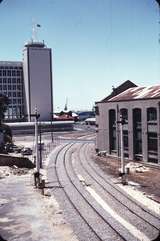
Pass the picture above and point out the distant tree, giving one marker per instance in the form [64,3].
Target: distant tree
[5,131]
[4,102]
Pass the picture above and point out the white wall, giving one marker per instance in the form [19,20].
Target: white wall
[39,81]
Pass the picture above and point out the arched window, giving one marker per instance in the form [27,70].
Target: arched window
[112,129]
[137,132]
[124,113]
[151,114]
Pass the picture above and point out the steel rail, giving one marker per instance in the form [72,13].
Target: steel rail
[122,193]
[69,145]
[82,195]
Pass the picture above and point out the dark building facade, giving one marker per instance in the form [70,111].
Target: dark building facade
[140,108]
[11,85]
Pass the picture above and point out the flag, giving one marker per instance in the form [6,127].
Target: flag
[38,25]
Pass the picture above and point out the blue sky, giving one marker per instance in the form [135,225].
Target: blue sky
[95,43]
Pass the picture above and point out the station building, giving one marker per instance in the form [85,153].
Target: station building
[140,110]
[28,84]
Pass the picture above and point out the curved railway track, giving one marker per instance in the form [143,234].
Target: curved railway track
[92,171]
[72,161]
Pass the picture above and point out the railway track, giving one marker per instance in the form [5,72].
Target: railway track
[121,197]
[98,204]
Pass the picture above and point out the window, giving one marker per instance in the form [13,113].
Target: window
[19,94]
[9,80]
[137,132]
[14,80]
[151,114]
[4,87]
[112,130]
[4,72]
[152,142]
[18,73]
[124,113]
[97,110]
[152,147]
[9,72]
[4,80]
[125,140]
[18,87]
[9,94]
[13,73]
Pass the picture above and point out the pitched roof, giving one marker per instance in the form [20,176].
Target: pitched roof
[135,93]
[124,86]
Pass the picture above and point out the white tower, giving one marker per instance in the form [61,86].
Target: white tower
[37,66]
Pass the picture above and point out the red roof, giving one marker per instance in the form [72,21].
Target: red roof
[135,93]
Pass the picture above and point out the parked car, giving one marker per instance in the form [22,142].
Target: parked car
[26,151]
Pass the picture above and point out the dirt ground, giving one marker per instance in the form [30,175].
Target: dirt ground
[147,177]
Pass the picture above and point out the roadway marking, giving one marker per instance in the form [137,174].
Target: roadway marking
[132,229]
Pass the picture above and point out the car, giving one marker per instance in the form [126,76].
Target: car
[26,151]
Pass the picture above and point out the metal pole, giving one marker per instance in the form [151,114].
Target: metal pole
[36,142]
[52,125]
[123,174]
[40,145]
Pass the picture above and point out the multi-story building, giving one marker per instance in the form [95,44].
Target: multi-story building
[28,84]
[11,85]
[140,109]
[37,67]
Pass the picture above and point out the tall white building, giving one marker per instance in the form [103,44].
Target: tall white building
[37,67]
[28,84]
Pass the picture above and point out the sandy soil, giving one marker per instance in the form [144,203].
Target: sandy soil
[26,214]
[147,178]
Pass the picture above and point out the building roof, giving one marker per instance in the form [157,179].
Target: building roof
[35,44]
[136,93]
[10,63]
[115,91]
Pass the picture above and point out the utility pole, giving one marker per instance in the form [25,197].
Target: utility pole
[36,115]
[122,171]
[40,145]
[52,126]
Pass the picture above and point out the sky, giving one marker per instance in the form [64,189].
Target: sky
[96,44]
